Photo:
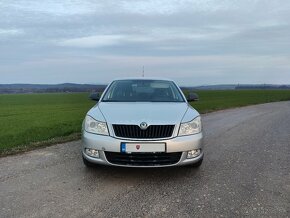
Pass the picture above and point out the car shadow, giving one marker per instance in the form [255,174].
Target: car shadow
[113,172]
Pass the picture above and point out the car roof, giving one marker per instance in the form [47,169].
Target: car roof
[143,78]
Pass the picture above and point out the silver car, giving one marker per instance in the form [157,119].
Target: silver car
[142,122]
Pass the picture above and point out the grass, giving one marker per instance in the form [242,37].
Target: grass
[28,121]
[224,99]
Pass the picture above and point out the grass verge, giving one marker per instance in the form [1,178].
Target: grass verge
[40,144]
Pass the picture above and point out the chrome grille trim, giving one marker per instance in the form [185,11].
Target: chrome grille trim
[135,132]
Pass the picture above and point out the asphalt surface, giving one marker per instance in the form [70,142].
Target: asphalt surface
[246,172]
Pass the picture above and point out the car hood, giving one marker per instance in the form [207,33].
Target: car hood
[135,113]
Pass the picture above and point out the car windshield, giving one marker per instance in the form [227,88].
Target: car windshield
[142,91]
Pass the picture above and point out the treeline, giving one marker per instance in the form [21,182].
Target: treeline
[265,86]
[31,88]
[71,87]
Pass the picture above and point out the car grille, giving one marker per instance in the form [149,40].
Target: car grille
[143,159]
[152,132]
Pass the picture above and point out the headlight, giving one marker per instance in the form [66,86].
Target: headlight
[94,126]
[190,128]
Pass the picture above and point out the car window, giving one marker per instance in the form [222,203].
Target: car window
[143,91]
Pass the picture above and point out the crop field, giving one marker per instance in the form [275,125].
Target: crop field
[33,120]
[27,119]
[219,100]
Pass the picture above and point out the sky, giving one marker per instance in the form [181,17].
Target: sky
[194,42]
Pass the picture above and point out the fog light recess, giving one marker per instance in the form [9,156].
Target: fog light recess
[92,152]
[193,153]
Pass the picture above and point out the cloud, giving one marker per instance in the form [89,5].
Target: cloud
[71,7]
[92,41]
[205,41]
[10,32]
[155,35]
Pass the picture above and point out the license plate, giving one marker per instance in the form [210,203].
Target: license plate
[142,147]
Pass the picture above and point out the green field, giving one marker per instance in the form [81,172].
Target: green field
[218,100]
[26,119]
[33,120]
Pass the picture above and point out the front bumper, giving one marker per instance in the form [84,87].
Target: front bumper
[107,143]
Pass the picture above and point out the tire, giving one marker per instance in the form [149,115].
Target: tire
[88,163]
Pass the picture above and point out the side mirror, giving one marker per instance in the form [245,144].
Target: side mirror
[192,97]
[95,96]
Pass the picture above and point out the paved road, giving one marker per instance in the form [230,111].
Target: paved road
[246,172]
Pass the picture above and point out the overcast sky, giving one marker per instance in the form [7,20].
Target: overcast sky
[194,42]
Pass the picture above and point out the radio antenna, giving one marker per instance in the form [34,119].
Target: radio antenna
[143,72]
